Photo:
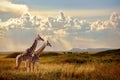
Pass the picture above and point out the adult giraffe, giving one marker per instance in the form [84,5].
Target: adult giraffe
[34,60]
[28,53]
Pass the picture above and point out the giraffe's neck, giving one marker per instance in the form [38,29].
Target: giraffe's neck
[40,49]
[34,45]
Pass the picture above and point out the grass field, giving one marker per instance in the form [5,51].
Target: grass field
[63,66]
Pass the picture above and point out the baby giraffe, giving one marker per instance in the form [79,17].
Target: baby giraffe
[35,56]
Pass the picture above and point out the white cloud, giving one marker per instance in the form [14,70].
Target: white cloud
[115,19]
[112,23]
[61,30]
[8,6]
[97,25]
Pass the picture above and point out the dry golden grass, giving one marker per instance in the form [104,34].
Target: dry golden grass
[53,68]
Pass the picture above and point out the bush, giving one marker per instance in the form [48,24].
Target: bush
[49,54]
[74,60]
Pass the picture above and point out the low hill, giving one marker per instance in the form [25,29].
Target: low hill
[109,52]
[89,49]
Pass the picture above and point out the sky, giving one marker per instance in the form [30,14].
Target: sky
[65,24]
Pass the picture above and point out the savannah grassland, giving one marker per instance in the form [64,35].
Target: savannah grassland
[65,66]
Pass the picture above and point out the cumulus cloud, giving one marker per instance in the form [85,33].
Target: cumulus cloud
[97,25]
[115,19]
[8,6]
[60,25]
[112,23]
[61,30]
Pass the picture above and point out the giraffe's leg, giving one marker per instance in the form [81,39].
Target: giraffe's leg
[33,66]
[37,63]
[29,66]
[26,65]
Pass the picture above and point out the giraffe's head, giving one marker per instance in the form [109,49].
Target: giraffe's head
[39,37]
[48,43]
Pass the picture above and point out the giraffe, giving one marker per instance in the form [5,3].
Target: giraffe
[27,53]
[34,60]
